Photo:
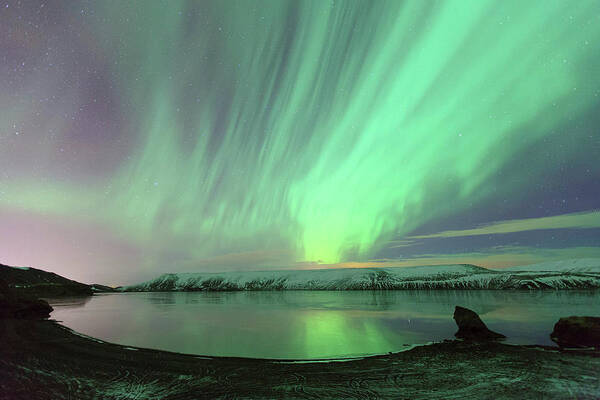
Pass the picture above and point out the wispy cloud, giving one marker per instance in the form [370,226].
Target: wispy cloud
[493,257]
[581,220]
[396,244]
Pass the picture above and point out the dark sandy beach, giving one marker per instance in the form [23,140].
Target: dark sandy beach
[40,359]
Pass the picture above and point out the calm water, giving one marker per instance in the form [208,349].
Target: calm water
[301,324]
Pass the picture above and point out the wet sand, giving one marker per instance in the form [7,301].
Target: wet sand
[40,359]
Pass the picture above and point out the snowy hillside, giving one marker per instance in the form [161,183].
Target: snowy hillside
[583,265]
[425,277]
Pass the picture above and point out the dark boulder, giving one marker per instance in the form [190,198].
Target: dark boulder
[577,332]
[16,305]
[471,327]
[26,309]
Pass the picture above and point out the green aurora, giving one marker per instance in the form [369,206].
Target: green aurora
[308,131]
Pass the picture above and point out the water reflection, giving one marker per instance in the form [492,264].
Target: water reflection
[78,301]
[301,324]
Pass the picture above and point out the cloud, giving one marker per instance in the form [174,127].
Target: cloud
[581,220]
[508,256]
[396,244]
[493,257]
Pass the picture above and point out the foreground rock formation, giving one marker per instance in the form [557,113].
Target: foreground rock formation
[471,327]
[577,332]
[15,305]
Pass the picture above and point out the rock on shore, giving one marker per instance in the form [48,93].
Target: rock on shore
[15,305]
[471,327]
[577,332]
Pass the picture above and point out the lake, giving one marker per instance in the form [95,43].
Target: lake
[312,324]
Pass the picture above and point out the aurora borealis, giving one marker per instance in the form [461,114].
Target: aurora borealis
[151,136]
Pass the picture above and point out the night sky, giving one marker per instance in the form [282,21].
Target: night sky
[143,137]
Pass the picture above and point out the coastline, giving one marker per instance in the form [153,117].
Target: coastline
[41,359]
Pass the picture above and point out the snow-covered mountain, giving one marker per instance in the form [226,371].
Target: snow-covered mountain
[576,274]
[583,265]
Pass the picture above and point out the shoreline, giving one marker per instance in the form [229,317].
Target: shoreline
[41,359]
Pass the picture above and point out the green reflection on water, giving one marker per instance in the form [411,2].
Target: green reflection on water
[313,324]
[335,333]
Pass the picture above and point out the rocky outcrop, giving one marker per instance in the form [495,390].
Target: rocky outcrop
[15,305]
[471,327]
[577,332]
[26,308]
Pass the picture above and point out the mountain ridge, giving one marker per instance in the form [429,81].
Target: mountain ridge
[39,283]
[454,276]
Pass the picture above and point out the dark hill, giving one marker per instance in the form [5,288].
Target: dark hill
[36,283]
